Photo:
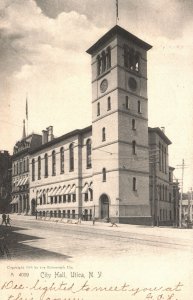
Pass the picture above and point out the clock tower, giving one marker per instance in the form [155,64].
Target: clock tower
[120,127]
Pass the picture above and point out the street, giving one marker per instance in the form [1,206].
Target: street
[138,255]
[35,239]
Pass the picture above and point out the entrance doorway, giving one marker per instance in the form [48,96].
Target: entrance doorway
[104,200]
[33,207]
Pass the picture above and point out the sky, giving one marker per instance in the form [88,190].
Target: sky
[43,57]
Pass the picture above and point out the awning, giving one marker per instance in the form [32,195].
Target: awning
[40,194]
[14,201]
[26,180]
[22,181]
[85,189]
[67,191]
[19,182]
[55,192]
[58,191]
[52,192]
[62,190]
[73,190]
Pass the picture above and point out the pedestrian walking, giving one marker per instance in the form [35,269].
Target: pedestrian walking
[8,220]
[93,220]
[113,223]
[4,221]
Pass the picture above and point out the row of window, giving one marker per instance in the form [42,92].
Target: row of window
[163,193]
[21,166]
[164,216]
[70,214]
[53,161]
[162,158]
[126,105]
[131,60]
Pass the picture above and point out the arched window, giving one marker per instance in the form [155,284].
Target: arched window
[88,154]
[103,134]
[133,124]
[98,109]
[33,169]
[20,167]
[46,165]
[103,61]
[126,52]
[98,65]
[134,147]
[108,57]
[27,164]
[134,184]
[53,163]
[104,175]
[71,157]
[24,165]
[39,167]
[139,107]
[62,160]
[109,103]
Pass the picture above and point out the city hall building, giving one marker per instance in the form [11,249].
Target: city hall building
[104,170]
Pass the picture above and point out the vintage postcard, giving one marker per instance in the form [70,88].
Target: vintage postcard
[96,150]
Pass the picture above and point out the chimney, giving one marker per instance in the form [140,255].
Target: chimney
[163,129]
[44,136]
[50,133]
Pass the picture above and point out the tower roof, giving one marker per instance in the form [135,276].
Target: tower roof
[117,30]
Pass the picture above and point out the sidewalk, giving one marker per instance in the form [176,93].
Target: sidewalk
[169,232]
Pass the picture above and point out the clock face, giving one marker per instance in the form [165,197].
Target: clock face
[132,83]
[104,85]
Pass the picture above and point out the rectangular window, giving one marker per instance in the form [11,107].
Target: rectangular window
[109,103]
[98,109]
[139,107]
[73,197]
[68,214]
[126,102]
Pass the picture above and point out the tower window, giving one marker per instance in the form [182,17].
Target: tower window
[62,160]
[104,65]
[109,103]
[134,147]
[103,134]
[39,167]
[98,65]
[133,124]
[33,169]
[108,57]
[134,184]
[104,174]
[131,59]
[71,157]
[88,154]
[104,61]
[53,163]
[139,107]
[98,109]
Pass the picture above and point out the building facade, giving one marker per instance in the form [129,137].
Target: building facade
[5,181]
[61,176]
[163,193]
[115,169]
[20,172]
